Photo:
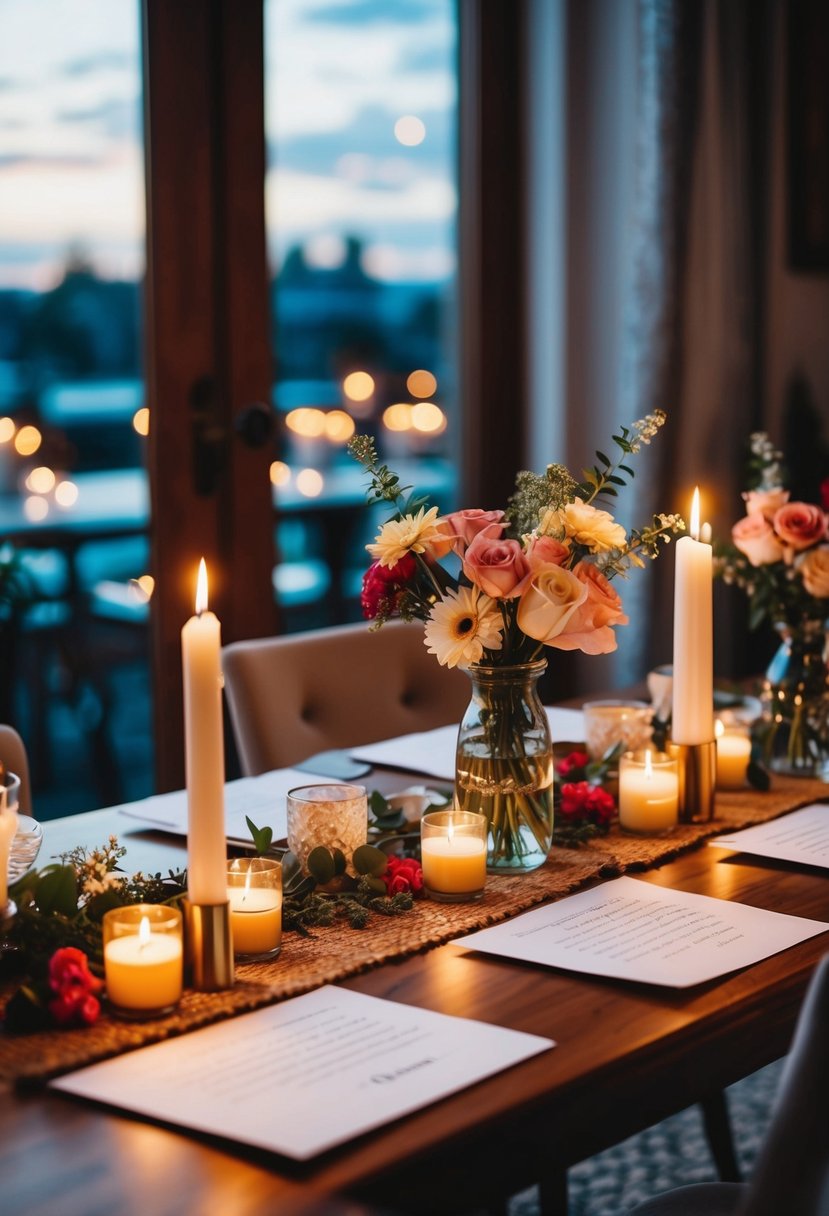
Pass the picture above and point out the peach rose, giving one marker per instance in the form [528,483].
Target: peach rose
[754,536]
[443,539]
[765,502]
[548,602]
[546,551]
[465,526]
[814,570]
[589,629]
[799,524]
[498,567]
[587,525]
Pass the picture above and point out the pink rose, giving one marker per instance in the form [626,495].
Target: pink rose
[754,536]
[498,567]
[765,502]
[546,551]
[465,525]
[548,601]
[814,570]
[800,525]
[590,627]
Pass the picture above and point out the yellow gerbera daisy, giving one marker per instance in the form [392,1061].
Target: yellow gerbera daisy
[411,534]
[461,626]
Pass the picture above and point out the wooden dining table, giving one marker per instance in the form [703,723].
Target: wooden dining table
[627,1055]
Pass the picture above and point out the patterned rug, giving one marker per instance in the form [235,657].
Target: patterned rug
[670,1154]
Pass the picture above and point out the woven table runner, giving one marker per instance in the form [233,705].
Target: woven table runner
[340,951]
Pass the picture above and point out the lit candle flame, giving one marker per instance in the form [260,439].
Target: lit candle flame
[719,728]
[247,885]
[201,589]
[648,765]
[450,834]
[144,932]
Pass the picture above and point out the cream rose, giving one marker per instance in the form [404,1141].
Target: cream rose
[549,600]
[589,629]
[799,524]
[586,525]
[497,566]
[754,536]
[765,502]
[814,570]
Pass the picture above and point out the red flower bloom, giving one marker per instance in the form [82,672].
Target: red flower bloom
[581,800]
[70,967]
[382,586]
[403,874]
[571,762]
[74,985]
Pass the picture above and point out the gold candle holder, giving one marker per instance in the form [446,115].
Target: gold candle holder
[209,946]
[697,765]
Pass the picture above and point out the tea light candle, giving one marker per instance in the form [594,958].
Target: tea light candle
[733,755]
[143,961]
[648,793]
[453,855]
[255,894]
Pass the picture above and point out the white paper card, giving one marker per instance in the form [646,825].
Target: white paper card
[263,798]
[801,837]
[631,930]
[278,1079]
[433,751]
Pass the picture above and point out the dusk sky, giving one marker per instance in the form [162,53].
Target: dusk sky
[341,73]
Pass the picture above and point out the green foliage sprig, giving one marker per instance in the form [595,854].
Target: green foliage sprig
[327,893]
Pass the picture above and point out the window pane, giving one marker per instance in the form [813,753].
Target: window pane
[361,206]
[73,492]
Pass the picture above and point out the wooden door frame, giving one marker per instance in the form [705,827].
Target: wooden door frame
[208,355]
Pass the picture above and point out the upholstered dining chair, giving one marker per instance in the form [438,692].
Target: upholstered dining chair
[791,1176]
[13,757]
[292,696]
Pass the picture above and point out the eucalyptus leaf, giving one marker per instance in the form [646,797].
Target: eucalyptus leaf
[57,890]
[370,861]
[261,837]
[321,865]
[339,861]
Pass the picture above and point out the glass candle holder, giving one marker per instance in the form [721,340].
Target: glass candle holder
[609,723]
[254,889]
[335,816]
[733,755]
[9,801]
[648,793]
[143,959]
[453,855]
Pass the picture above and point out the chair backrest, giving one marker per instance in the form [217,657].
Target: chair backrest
[792,1169]
[13,756]
[292,696]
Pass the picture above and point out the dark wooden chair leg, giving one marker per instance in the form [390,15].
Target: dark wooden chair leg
[720,1138]
[552,1190]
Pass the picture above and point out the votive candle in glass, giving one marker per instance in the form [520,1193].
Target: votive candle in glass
[609,723]
[9,802]
[143,959]
[254,889]
[453,855]
[335,816]
[648,792]
[733,756]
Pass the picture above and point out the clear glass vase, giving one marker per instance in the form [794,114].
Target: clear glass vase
[504,765]
[795,697]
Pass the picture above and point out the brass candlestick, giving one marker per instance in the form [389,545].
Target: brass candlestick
[697,766]
[209,946]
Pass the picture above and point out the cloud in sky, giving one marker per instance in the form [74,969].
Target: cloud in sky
[115,117]
[369,133]
[100,61]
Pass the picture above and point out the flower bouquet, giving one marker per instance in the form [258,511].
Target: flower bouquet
[779,557]
[497,590]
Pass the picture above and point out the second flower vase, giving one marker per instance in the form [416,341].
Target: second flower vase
[504,765]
